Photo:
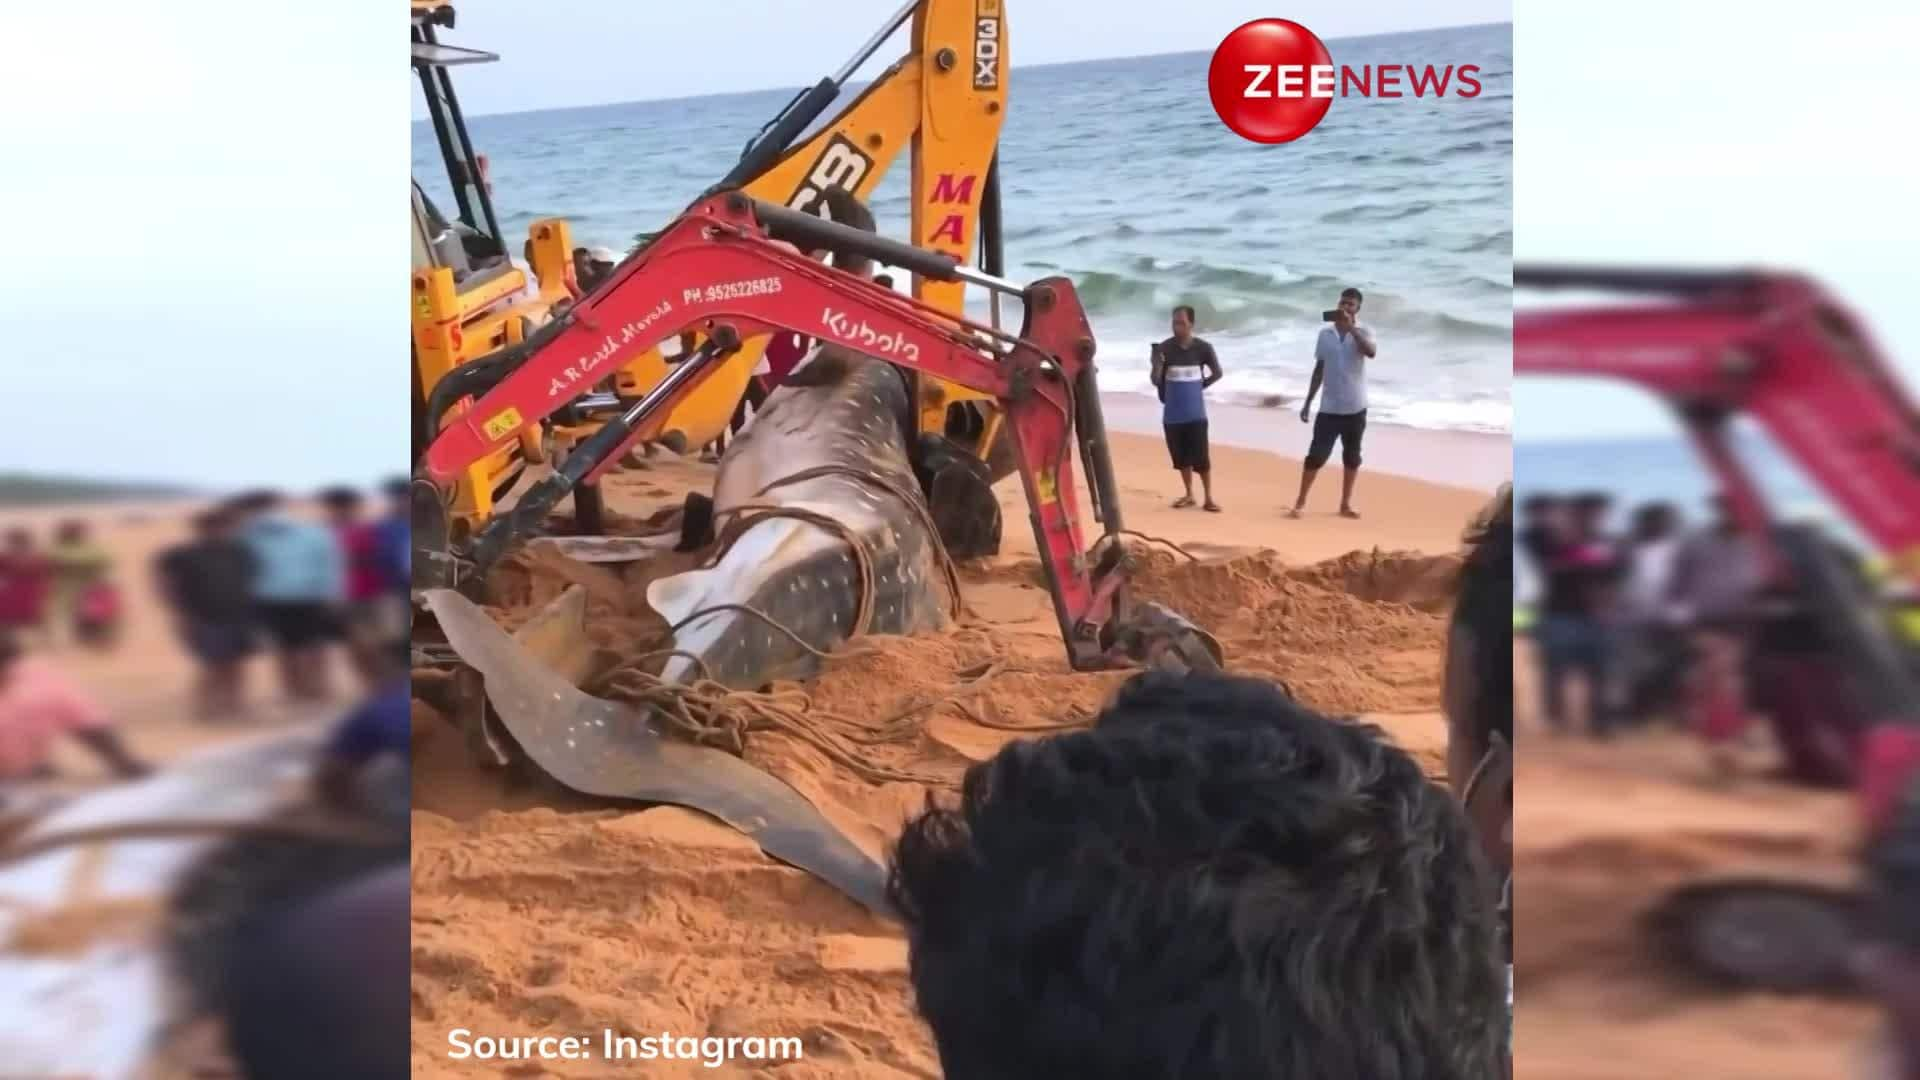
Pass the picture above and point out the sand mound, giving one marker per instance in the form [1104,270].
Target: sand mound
[1343,635]
[563,918]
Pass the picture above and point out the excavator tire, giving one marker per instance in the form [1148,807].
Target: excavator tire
[959,490]
[1762,934]
[1855,671]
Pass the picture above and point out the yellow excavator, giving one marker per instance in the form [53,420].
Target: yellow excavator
[945,100]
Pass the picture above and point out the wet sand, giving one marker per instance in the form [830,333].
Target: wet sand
[539,915]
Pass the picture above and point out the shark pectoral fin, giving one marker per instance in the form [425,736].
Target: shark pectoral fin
[607,749]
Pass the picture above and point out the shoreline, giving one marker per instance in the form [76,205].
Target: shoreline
[1467,460]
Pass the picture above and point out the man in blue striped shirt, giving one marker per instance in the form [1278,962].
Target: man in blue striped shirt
[1183,367]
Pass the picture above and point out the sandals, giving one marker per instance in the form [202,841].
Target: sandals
[1183,502]
[1211,507]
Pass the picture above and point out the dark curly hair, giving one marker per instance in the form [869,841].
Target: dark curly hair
[1482,623]
[1215,881]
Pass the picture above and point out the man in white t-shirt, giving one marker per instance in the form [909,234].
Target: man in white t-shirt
[1340,358]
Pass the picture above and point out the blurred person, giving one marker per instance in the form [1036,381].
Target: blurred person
[1652,651]
[208,584]
[591,266]
[364,766]
[38,705]
[298,590]
[83,606]
[26,582]
[1581,567]
[1718,577]
[1214,881]
[1340,356]
[393,534]
[1184,367]
[1545,525]
[367,584]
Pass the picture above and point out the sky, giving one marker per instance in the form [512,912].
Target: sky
[1775,138]
[206,230]
[558,53]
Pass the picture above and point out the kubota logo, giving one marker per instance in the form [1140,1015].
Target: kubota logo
[1273,81]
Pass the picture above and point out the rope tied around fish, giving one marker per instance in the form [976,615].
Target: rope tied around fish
[709,713]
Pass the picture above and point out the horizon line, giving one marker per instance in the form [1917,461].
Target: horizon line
[1016,67]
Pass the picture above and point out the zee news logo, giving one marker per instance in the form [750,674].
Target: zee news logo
[986,45]
[1272,80]
[1322,80]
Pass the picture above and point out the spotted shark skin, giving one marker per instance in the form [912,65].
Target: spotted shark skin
[839,409]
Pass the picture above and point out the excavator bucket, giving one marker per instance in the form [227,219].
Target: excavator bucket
[1161,638]
[610,750]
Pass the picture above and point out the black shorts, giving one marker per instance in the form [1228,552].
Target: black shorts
[1187,444]
[224,641]
[299,626]
[1346,427]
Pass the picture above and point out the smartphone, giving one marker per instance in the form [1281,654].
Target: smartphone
[1329,316]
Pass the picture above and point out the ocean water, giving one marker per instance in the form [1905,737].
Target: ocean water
[1118,174]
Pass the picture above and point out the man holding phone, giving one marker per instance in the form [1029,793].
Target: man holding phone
[1340,366]
[1183,367]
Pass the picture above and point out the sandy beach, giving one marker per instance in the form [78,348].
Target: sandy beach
[1604,831]
[540,915]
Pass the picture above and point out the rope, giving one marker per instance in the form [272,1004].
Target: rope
[913,502]
[1161,540]
[710,714]
[750,514]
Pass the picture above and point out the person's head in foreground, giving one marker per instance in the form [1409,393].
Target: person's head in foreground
[19,542]
[1350,301]
[1183,318]
[1478,681]
[342,505]
[72,532]
[1889,962]
[1215,881]
[399,495]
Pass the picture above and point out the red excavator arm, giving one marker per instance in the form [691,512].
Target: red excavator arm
[718,271]
[1776,347]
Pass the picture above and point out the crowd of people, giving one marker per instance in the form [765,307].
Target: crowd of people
[256,574]
[1636,614]
[60,591]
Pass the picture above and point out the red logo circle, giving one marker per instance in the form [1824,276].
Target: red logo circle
[1271,80]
